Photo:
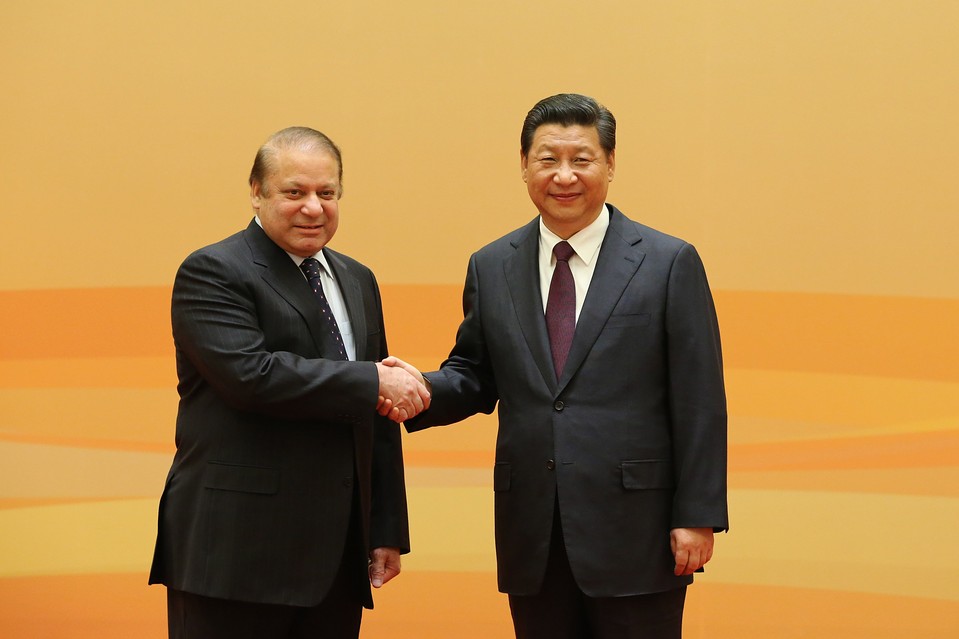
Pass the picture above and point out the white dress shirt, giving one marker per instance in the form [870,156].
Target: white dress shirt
[333,295]
[586,243]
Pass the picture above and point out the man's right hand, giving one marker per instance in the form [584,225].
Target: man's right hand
[402,394]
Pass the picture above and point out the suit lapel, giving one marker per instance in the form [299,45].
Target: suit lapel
[619,259]
[282,275]
[522,279]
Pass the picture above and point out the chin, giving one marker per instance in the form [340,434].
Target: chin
[306,249]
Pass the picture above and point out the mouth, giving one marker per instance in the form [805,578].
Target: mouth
[311,232]
[564,197]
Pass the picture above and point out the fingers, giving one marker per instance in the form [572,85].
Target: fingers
[377,570]
[687,562]
[408,405]
[692,548]
[403,395]
[409,368]
[384,565]
[682,558]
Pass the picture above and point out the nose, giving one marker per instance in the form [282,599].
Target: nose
[565,174]
[312,205]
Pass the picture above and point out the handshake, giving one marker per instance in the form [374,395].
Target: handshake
[403,393]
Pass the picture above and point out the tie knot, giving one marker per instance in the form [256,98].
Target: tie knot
[311,267]
[563,251]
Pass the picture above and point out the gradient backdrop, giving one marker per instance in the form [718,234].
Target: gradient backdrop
[809,149]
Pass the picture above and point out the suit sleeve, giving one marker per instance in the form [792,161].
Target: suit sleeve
[218,317]
[697,397]
[465,384]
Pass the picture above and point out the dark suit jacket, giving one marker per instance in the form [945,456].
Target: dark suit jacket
[631,439]
[276,446]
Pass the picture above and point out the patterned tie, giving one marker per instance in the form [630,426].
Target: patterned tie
[561,307]
[311,268]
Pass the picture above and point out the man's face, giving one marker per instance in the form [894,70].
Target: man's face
[298,201]
[567,174]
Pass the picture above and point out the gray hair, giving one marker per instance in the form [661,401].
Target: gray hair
[294,137]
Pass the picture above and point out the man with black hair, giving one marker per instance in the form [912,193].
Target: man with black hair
[598,338]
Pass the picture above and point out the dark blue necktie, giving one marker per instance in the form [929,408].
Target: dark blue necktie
[561,307]
[311,268]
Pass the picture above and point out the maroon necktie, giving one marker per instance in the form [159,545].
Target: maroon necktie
[561,307]
[311,267]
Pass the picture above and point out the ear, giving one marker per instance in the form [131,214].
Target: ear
[523,160]
[256,195]
[611,163]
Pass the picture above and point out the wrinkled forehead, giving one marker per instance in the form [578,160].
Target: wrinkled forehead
[303,161]
[554,137]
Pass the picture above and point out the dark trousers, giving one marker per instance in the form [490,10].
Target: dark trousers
[561,611]
[194,617]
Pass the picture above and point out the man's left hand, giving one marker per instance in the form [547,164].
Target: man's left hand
[384,565]
[692,548]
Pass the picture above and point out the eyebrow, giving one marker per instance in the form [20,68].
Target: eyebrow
[295,183]
[550,147]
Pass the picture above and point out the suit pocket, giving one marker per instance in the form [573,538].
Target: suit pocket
[502,475]
[647,474]
[634,320]
[242,479]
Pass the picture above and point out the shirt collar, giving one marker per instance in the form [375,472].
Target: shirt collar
[585,242]
[319,255]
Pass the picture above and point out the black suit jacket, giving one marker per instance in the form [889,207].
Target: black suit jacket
[631,439]
[277,447]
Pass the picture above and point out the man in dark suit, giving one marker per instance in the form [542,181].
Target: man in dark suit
[286,498]
[598,337]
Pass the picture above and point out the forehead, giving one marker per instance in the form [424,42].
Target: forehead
[552,136]
[298,165]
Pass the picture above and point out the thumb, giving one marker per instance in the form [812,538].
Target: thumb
[377,571]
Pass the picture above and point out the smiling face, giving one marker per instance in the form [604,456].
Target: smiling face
[567,174]
[298,200]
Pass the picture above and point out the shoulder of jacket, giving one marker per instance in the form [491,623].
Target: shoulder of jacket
[509,242]
[350,263]
[650,237]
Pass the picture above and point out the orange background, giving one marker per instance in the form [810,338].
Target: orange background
[809,149]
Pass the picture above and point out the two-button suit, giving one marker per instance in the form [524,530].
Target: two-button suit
[630,441]
[277,447]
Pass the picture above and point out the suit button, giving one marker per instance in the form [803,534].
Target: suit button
[559,405]
[348,482]
[550,465]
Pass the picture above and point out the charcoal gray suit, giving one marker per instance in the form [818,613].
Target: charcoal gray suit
[630,441]
[279,450]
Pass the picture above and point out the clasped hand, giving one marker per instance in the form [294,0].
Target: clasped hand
[402,394]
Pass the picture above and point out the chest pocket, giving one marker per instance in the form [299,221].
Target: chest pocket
[636,320]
